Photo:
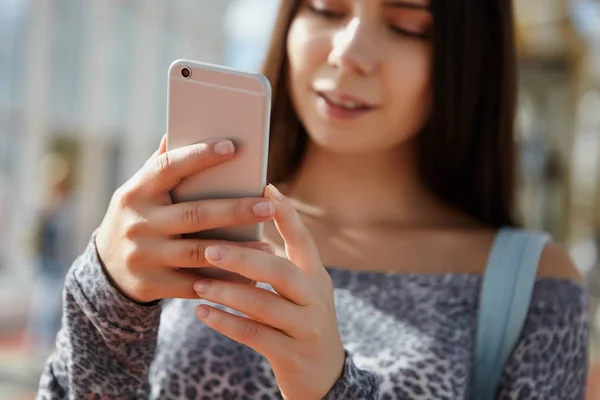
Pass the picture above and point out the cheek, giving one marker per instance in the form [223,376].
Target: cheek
[306,51]
[296,47]
[410,90]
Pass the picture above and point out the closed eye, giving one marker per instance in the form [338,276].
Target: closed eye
[324,12]
[404,32]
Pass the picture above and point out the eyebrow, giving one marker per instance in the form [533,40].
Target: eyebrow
[406,4]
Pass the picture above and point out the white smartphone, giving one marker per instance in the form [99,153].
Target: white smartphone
[206,102]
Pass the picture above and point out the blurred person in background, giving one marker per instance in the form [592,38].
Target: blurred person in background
[54,249]
[392,147]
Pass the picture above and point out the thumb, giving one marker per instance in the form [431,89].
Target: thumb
[299,244]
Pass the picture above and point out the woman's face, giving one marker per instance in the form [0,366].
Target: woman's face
[360,71]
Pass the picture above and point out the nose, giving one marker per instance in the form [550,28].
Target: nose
[354,48]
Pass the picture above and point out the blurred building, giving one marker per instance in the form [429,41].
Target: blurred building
[559,70]
[559,134]
[88,78]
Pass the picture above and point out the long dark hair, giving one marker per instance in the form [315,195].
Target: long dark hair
[467,145]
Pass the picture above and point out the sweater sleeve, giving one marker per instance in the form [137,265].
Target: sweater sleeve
[354,383]
[106,343]
[551,359]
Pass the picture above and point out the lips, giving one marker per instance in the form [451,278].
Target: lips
[336,106]
[343,101]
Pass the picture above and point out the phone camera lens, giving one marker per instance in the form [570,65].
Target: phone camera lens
[186,72]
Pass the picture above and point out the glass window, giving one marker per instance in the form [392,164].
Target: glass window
[12,20]
[248,26]
[121,50]
[66,52]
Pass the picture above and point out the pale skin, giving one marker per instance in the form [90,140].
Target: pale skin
[357,201]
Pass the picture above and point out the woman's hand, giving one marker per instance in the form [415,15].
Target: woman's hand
[139,239]
[296,329]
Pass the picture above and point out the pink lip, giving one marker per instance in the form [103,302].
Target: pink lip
[343,97]
[332,111]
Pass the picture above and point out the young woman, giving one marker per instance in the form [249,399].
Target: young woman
[392,143]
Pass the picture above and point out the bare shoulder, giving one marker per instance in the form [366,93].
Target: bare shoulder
[556,263]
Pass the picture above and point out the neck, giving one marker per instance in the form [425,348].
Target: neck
[362,189]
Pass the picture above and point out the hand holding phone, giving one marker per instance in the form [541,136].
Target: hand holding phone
[209,102]
[139,241]
[215,173]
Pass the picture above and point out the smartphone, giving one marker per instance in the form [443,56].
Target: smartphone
[206,102]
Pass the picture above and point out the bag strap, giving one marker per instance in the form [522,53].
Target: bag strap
[505,296]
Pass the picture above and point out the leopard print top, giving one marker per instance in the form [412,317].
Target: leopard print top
[407,336]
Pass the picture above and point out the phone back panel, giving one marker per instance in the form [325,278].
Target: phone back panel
[220,103]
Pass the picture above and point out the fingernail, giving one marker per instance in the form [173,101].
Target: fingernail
[263,209]
[201,286]
[274,192]
[224,148]
[214,253]
[202,312]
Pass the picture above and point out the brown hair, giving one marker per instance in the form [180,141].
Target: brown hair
[467,146]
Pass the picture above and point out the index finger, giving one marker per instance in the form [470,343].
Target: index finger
[163,172]
[299,244]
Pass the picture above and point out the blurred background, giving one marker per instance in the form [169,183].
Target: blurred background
[83,104]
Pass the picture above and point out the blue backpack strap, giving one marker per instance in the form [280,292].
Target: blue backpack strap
[505,296]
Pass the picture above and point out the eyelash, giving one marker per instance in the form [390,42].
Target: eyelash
[409,34]
[328,14]
[323,12]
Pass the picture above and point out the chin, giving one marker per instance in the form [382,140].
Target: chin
[346,142]
[338,147]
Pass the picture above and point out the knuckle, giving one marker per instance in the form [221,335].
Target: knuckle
[249,332]
[262,303]
[199,149]
[141,289]
[125,195]
[196,153]
[162,163]
[236,255]
[134,256]
[196,253]
[312,333]
[193,215]
[134,227]
[240,210]
[216,320]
